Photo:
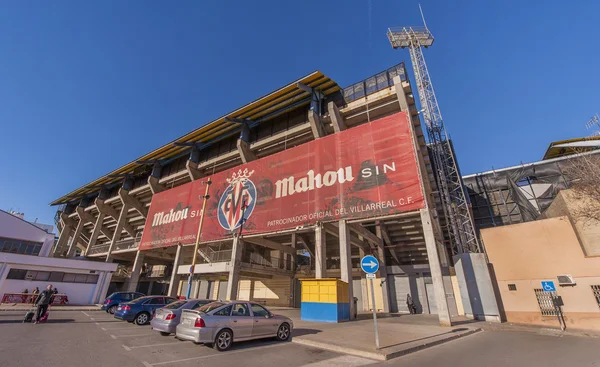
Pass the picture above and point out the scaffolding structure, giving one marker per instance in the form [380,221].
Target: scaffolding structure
[459,221]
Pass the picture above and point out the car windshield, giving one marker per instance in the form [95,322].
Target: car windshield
[175,305]
[209,307]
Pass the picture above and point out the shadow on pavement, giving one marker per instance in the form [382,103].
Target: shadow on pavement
[302,331]
[428,337]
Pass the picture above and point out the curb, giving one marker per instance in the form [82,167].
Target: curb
[380,356]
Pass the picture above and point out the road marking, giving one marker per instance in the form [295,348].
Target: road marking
[85,314]
[91,318]
[212,355]
[130,336]
[114,337]
[126,347]
[103,328]
[345,361]
[120,328]
[153,345]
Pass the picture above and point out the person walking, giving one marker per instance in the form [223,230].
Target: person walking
[42,302]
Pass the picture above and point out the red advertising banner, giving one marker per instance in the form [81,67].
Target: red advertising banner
[366,171]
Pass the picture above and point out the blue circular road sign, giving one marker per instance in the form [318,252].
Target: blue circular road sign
[369,264]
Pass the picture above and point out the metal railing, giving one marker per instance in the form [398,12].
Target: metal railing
[254,258]
[374,84]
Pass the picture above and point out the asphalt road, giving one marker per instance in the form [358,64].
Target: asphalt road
[96,339]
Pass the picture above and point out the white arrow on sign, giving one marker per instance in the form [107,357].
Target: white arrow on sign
[371,264]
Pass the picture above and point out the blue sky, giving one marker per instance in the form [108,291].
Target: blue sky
[86,87]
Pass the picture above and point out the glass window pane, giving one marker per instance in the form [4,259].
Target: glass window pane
[56,276]
[92,279]
[29,249]
[259,310]
[224,312]
[42,275]
[16,274]
[240,309]
[80,278]
[37,249]
[22,247]
[69,278]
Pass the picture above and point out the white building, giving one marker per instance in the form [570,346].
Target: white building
[24,264]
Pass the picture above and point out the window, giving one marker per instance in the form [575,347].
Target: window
[200,304]
[18,274]
[80,278]
[69,278]
[20,247]
[92,279]
[512,287]
[596,292]
[209,307]
[259,310]
[224,312]
[240,309]
[545,302]
[175,305]
[42,276]
[156,301]
[56,276]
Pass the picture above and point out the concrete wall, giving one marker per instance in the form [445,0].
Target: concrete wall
[78,293]
[526,254]
[588,231]
[476,288]
[16,228]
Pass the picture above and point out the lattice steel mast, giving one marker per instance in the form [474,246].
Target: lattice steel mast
[459,221]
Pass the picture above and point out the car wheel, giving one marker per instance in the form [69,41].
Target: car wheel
[164,333]
[111,310]
[142,318]
[223,340]
[283,333]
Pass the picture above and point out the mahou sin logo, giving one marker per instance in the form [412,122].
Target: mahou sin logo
[238,200]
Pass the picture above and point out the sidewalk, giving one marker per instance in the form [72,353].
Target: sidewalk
[26,307]
[396,337]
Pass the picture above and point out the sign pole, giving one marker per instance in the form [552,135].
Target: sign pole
[206,197]
[374,313]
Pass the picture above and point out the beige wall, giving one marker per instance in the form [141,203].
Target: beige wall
[588,231]
[527,253]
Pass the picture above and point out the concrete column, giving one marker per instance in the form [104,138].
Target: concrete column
[76,236]
[315,124]
[118,229]
[95,232]
[423,293]
[98,287]
[293,257]
[383,271]
[105,286]
[346,262]
[365,296]
[320,253]
[175,278]
[436,269]
[63,239]
[234,268]
[136,272]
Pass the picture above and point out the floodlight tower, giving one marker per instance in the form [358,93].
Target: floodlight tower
[456,209]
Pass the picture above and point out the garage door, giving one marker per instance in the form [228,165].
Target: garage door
[357,293]
[203,289]
[223,290]
[399,287]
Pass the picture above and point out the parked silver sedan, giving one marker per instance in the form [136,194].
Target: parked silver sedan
[165,319]
[219,324]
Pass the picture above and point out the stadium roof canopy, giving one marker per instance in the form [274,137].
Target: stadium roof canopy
[562,148]
[273,104]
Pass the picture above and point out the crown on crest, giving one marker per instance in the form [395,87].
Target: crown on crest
[240,176]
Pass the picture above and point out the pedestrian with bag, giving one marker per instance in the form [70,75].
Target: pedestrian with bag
[42,302]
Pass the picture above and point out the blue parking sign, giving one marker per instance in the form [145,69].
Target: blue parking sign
[548,286]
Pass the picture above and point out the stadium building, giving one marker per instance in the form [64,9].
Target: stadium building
[303,182]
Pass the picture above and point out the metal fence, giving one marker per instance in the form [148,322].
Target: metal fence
[545,302]
[596,292]
[374,84]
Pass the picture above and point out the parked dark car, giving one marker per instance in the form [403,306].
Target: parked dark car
[140,310]
[112,301]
